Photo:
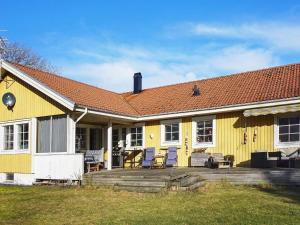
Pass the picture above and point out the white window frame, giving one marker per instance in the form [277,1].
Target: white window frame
[15,149]
[128,137]
[163,124]
[196,144]
[277,143]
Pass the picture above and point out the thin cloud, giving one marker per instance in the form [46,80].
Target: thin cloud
[280,35]
[161,66]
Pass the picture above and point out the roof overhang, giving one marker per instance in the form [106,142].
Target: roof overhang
[225,109]
[69,104]
[38,85]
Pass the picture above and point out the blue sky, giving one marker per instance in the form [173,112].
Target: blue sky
[104,42]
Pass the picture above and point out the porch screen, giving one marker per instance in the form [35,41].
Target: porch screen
[52,134]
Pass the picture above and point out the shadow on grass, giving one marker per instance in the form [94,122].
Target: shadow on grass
[292,193]
[283,182]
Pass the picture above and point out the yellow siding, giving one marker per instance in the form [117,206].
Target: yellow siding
[29,104]
[16,163]
[229,137]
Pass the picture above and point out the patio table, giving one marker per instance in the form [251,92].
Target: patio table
[133,153]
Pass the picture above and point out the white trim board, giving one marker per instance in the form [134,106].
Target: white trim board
[39,86]
[173,115]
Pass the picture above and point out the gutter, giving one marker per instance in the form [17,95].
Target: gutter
[207,111]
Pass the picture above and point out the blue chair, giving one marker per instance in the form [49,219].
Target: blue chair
[149,158]
[171,157]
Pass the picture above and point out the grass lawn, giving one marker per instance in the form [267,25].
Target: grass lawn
[213,204]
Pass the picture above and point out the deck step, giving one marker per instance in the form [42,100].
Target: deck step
[139,189]
[142,183]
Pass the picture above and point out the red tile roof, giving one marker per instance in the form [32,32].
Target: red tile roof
[275,83]
[249,87]
[82,94]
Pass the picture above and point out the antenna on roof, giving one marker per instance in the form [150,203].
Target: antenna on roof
[196,90]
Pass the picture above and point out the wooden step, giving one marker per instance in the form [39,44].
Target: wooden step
[139,189]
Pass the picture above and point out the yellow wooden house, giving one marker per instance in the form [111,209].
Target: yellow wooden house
[47,122]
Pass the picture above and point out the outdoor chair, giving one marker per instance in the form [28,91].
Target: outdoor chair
[148,160]
[171,157]
[217,160]
[94,159]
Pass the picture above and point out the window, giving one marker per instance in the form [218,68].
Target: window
[204,129]
[115,138]
[95,138]
[170,132]
[123,134]
[289,129]
[136,136]
[15,136]
[52,134]
[10,177]
[9,137]
[81,138]
[23,136]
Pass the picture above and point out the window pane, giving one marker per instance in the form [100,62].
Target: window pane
[208,123]
[208,138]
[139,136]
[200,124]
[283,121]
[294,120]
[200,139]
[200,132]
[168,128]
[168,137]
[9,137]
[133,143]
[132,130]
[133,136]
[294,137]
[81,138]
[95,138]
[139,130]
[208,131]
[43,135]
[175,137]
[284,138]
[175,127]
[294,129]
[59,134]
[139,143]
[283,129]
[23,136]
[124,134]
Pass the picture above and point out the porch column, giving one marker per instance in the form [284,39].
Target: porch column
[109,145]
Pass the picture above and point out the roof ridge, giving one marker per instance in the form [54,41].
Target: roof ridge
[218,77]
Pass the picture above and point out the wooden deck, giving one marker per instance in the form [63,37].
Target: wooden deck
[154,180]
